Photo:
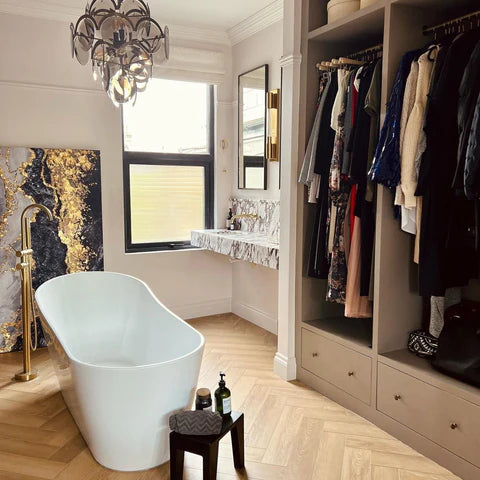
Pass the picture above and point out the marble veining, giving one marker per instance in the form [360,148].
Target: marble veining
[254,247]
[268,211]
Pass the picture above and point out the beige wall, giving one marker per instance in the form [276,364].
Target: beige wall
[49,100]
[255,288]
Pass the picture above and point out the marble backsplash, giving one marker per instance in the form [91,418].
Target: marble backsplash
[268,212]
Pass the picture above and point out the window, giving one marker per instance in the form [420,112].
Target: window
[168,165]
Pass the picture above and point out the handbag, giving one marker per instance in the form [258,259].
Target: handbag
[421,343]
[458,353]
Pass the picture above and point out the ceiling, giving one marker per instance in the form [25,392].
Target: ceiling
[221,14]
[217,14]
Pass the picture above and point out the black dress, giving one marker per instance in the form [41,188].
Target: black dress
[359,146]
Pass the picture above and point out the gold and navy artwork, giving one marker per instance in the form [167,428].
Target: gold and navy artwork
[68,183]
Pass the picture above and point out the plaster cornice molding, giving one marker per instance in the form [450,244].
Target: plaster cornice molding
[47,10]
[262,19]
[196,34]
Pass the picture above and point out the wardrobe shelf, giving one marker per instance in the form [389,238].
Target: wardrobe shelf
[354,333]
[420,368]
[363,26]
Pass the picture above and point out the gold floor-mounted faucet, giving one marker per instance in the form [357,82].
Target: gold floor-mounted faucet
[28,306]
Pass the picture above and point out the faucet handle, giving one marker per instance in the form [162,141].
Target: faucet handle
[14,250]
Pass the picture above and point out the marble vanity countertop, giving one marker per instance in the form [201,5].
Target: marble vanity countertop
[254,247]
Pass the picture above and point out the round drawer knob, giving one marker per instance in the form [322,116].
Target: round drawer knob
[453,426]
[397,397]
[314,354]
[351,374]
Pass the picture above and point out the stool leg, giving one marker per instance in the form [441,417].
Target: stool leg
[176,461]
[238,446]
[210,461]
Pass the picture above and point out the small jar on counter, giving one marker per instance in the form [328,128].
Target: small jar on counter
[203,400]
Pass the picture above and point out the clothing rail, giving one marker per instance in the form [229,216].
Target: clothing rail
[452,22]
[367,50]
[335,63]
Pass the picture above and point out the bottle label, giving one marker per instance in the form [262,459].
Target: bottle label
[227,405]
[207,409]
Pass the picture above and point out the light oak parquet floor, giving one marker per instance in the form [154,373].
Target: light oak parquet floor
[291,432]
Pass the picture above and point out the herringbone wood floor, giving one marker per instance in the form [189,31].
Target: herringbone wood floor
[291,432]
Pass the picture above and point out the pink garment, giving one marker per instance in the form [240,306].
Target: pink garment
[355,305]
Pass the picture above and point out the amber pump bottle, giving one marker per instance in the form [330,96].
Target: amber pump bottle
[223,398]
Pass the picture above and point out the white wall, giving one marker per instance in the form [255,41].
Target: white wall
[265,47]
[255,288]
[48,100]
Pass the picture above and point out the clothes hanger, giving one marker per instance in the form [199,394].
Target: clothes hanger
[349,61]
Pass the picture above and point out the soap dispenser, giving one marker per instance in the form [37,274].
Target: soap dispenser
[229,219]
[223,398]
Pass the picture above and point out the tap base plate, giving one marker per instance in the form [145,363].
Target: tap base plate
[26,376]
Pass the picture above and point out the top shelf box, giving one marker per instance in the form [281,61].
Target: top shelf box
[365,25]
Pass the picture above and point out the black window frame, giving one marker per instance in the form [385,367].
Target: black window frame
[197,160]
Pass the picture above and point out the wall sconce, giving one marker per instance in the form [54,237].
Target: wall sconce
[273,125]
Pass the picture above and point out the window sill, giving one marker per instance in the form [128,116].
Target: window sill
[164,250]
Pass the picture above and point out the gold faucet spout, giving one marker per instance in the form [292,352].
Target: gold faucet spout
[253,216]
[28,306]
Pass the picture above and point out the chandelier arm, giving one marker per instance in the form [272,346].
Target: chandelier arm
[122,50]
[162,35]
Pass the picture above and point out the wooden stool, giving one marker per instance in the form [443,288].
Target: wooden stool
[207,447]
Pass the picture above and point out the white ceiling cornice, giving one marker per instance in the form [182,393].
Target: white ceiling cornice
[50,10]
[262,19]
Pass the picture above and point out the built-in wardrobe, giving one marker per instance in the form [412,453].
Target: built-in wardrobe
[364,364]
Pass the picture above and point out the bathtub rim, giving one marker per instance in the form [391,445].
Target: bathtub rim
[74,359]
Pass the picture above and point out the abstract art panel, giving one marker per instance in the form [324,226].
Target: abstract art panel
[68,183]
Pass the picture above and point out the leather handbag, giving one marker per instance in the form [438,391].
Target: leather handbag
[458,353]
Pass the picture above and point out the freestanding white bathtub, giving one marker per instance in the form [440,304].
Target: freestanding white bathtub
[125,363]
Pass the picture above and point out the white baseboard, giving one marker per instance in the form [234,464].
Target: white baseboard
[203,309]
[255,316]
[285,368]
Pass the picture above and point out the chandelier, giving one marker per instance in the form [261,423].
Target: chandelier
[120,39]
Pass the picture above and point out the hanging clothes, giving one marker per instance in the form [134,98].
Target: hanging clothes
[352,99]
[468,92]
[446,257]
[318,263]
[326,135]
[386,163]
[356,306]
[408,217]
[358,175]
[472,161]
[307,175]
[410,139]
[338,157]
[339,195]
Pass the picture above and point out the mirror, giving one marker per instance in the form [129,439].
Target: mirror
[252,116]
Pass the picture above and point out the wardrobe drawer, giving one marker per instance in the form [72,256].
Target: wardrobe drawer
[349,370]
[440,416]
